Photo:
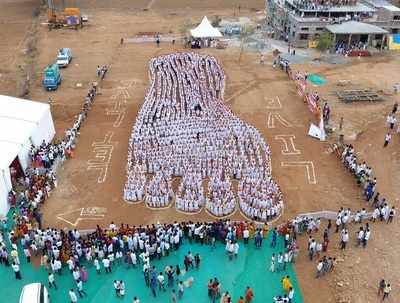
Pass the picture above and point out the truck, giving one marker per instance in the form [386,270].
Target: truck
[64,57]
[70,17]
[52,77]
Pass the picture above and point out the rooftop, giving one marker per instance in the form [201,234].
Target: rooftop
[354,27]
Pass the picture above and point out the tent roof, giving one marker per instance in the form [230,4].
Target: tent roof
[205,30]
[354,27]
[18,119]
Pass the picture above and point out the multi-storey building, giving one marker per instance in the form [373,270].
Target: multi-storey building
[299,21]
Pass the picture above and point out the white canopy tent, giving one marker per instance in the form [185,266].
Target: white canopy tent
[205,30]
[23,123]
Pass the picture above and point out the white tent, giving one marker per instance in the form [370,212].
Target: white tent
[22,123]
[205,30]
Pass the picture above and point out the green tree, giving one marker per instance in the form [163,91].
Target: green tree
[325,41]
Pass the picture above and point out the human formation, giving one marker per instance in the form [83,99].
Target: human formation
[184,130]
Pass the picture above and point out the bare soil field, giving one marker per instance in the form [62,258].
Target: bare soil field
[310,176]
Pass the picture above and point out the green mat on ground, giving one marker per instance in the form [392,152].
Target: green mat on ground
[249,269]
[316,79]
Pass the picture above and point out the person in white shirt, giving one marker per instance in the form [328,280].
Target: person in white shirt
[291,294]
[161,280]
[72,296]
[17,271]
[107,265]
[135,300]
[52,282]
[388,137]
[320,266]
[367,235]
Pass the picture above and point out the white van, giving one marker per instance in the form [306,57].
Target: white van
[34,293]
[64,57]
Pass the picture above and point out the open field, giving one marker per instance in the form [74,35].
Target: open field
[309,175]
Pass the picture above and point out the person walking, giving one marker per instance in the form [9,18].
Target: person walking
[386,291]
[135,300]
[79,286]
[72,296]
[17,271]
[344,239]
[173,296]
[52,282]
[381,287]
[249,295]
[388,137]
[180,290]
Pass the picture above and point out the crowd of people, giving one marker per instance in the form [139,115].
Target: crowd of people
[344,48]
[322,4]
[70,251]
[184,130]
[32,187]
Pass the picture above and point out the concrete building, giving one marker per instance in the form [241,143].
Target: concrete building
[301,21]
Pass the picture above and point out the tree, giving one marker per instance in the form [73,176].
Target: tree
[245,33]
[325,41]
[217,20]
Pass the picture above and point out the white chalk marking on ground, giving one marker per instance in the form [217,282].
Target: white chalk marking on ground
[273,103]
[288,143]
[83,213]
[122,94]
[309,165]
[103,154]
[240,91]
[272,116]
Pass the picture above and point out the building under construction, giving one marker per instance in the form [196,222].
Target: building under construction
[301,21]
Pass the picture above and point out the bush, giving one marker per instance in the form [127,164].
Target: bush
[325,41]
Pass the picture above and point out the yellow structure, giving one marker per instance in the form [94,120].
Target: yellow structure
[393,45]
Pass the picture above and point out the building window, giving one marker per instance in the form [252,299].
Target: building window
[304,28]
[319,29]
[396,17]
[303,36]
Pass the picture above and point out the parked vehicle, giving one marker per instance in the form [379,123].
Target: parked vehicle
[52,77]
[34,293]
[64,57]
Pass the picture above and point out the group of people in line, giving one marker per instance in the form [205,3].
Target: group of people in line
[34,185]
[364,177]
[184,130]
[392,123]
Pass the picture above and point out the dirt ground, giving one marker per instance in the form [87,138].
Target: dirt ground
[310,176]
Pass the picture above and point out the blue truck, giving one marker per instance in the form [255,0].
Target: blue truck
[52,77]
